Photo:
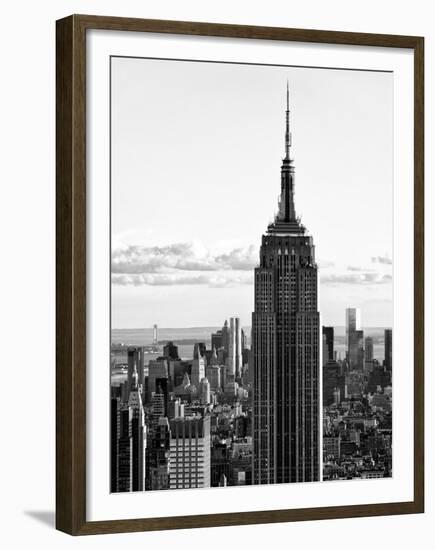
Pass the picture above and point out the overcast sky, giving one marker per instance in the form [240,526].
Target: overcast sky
[196,155]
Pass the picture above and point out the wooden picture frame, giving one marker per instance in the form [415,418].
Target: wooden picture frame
[71,273]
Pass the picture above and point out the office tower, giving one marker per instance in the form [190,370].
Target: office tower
[114,438]
[162,386]
[136,360]
[324,351]
[138,435]
[286,346]
[388,349]
[157,368]
[158,407]
[198,367]
[204,391]
[158,457]
[214,359]
[199,349]
[131,364]
[379,378]
[125,450]
[221,341]
[217,339]
[328,335]
[125,391]
[354,339]
[244,341]
[177,370]
[170,351]
[368,349]
[234,360]
[155,335]
[332,380]
[357,350]
[213,374]
[353,321]
[189,459]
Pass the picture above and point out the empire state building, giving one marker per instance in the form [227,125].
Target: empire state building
[285,345]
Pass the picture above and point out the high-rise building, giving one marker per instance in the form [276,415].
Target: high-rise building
[198,367]
[388,349]
[354,339]
[204,391]
[234,359]
[217,340]
[353,321]
[136,360]
[328,336]
[158,406]
[158,457]
[157,368]
[368,349]
[170,351]
[286,346]
[114,438]
[138,435]
[199,349]
[125,451]
[189,460]
[213,373]
[177,369]
[221,341]
[333,380]
[214,359]
[357,350]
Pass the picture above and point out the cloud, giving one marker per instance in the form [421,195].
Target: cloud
[220,280]
[240,258]
[183,264]
[361,278]
[385,260]
[180,256]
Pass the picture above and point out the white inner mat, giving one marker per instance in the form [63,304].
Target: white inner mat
[101,505]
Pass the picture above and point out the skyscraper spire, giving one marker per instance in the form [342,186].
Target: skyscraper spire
[286,208]
[288,136]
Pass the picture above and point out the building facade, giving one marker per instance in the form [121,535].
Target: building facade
[354,339]
[368,349]
[189,452]
[328,341]
[388,348]
[138,436]
[286,346]
[234,359]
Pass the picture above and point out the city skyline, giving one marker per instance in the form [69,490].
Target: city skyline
[211,261]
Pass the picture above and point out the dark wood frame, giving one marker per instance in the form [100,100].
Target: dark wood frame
[71,274]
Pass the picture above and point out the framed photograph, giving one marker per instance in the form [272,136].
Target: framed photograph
[239,275]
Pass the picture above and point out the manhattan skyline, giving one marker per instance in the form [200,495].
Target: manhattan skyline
[210,260]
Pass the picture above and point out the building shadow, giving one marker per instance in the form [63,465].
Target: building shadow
[46,517]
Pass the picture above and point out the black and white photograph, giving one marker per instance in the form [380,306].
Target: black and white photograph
[251,274]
